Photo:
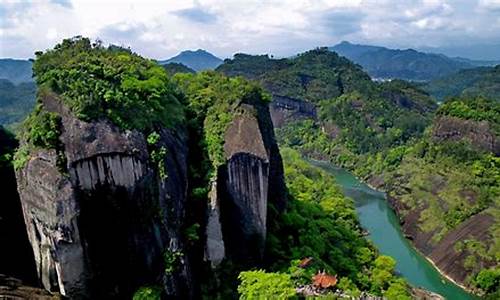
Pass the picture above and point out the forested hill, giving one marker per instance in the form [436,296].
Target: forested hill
[368,115]
[311,76]
[16,70]
[483,81]
[408,64]
[439,167]
[197,60]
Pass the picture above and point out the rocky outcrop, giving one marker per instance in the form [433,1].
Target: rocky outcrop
[100,225]
[286,109]
[11,288]
[443,253]
[480,134]
[251,179]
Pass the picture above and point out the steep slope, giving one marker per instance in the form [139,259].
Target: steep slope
[16,70]
[483,81]
[198,60]
[99,193]
[409,64]
[232,120]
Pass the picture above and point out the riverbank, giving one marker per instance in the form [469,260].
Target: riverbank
[380,218]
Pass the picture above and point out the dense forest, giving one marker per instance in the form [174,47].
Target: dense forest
[478,81]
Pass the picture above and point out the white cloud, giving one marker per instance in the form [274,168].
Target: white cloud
[159,29]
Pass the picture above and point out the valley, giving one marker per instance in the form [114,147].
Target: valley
[208,184]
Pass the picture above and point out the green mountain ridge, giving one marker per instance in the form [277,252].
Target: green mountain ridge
[198,60]
[408,64]
[482,81]
[16,70]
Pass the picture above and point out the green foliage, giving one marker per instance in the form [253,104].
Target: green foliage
[262,285]
[174,68]
[314,75]
[488,280]
[398,290]
[212,100]
[148,293]
[482,81]
[8,144]
[477,109]
[95,82]
[172,261]
[192,233]
[320,223]
[157,154]
[40,130]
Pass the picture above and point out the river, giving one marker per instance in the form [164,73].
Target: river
[377,217]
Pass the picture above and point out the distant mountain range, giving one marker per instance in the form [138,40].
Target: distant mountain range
[197,60]
[484,52]
[408,64]
[17,90]
[16,70]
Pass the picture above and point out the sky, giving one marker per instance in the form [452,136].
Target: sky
[161,29]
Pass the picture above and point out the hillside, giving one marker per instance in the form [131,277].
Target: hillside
[409,64]
[390,135]
[321,82]
[482,81]
[16,70]
[173,68]
[198,60]
[16,101]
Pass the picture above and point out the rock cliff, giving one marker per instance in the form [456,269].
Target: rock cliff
[250,180]
[480,134]
[101,224]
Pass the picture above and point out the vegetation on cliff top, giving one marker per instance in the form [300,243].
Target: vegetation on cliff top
[314,75]
[473,108]
[95,82]
[367,116]
[211,101]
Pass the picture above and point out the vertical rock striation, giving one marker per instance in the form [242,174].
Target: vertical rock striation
[251,179]
[101,227]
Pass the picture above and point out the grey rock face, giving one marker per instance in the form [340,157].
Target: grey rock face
[286,109]
[252,175]
[215,250]
[102,227]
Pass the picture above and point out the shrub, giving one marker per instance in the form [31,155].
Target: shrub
[262,285]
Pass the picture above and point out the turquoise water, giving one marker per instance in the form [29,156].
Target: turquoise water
[379,220]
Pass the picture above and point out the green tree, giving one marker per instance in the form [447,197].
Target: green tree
[262,285]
